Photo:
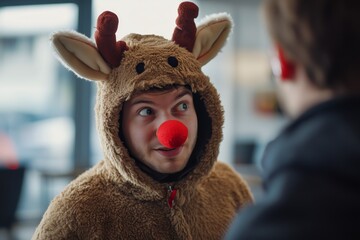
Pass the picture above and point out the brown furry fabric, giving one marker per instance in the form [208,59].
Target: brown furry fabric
[115,199]
[100,204]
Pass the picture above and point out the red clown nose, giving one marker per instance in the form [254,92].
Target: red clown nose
[172,133]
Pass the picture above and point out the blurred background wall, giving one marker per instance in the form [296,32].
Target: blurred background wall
[46,113]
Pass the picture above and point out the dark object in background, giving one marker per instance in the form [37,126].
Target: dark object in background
[11,181]
[244,152]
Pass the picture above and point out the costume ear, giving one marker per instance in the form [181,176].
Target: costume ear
[211,36]
[79,54]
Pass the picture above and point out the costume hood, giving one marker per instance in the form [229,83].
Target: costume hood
[139,62]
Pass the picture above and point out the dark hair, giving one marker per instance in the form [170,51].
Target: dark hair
[321,35]
[166,88]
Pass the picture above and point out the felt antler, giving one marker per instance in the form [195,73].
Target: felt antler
[110,50]
[185,31]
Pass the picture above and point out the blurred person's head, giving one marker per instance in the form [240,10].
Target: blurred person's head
[319,43]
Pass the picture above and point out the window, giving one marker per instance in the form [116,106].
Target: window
[36,100]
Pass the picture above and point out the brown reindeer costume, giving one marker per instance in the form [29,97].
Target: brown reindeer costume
[117,199]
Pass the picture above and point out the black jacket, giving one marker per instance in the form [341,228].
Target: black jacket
[311,175]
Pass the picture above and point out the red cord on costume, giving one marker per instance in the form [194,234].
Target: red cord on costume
[172,197]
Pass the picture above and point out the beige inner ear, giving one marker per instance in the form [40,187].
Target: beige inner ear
[210,39]
[81,57]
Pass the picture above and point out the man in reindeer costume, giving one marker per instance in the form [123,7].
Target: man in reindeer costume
[160,122]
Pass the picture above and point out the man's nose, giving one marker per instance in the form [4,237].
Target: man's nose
[172,133]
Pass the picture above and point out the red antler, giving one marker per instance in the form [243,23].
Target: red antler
[110,50]
[185,31]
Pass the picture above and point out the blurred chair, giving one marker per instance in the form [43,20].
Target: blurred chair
[11,181]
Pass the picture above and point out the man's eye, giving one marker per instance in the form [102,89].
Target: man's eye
[183,107]
[145,112]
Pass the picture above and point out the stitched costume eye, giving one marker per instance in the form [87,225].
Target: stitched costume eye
[140,67]
[173,61]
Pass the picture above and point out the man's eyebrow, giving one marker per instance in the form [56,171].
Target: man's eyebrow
[140,101]
[183,92]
